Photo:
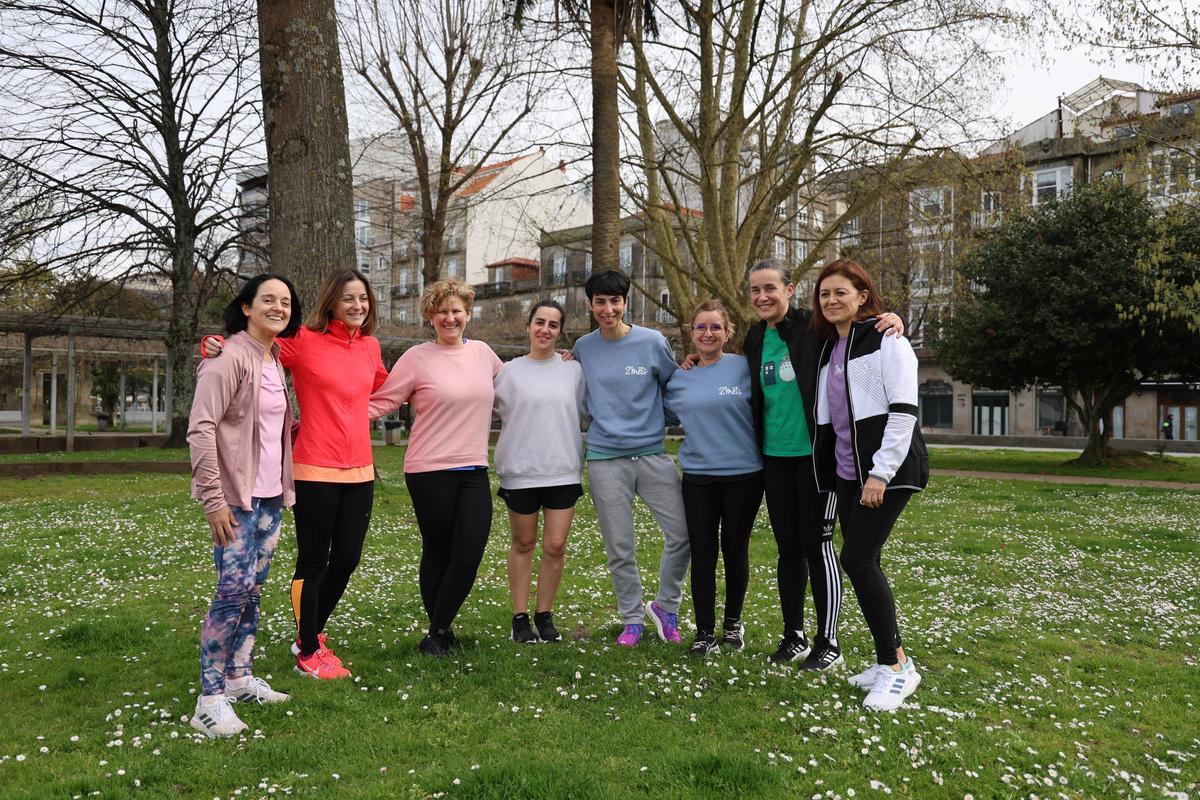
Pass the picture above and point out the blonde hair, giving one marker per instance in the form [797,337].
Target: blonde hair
[716,305]
[439,292]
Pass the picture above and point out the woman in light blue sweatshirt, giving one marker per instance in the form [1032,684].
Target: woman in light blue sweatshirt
[539,459]
[722,473]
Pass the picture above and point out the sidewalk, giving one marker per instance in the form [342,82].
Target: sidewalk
[1070,479]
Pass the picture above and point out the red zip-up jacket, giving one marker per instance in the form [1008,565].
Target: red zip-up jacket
[333,374]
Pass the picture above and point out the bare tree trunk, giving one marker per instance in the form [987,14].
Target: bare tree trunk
[606,137]
[308,151]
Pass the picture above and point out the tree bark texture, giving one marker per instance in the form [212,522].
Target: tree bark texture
[606,137]
[308,150]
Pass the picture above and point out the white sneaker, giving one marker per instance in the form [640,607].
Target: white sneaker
[216,718]
[864,680]
[891,688]
[256,691]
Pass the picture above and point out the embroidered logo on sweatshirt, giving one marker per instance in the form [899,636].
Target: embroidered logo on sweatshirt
[737,390]
[631,370]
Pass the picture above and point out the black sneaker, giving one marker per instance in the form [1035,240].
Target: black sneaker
[734,635]
[793,647]
[435,644]
[823,656]
[544,622]
[522,631]
[703,644]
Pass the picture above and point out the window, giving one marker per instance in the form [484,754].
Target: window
[561,299]
[802,215]
[402,315]
[929,265]
[560,264]
[382,264]
[451,267]
[1051,184]
[818,218]
[362,222]
[664,314]
[587,263]
[850,229]
[1051,409]
[801,251]
[364,263]
[477,312]
[1114,175]
[402,282]
[935,401]
[930,205]
[626,257]
[781,248]
[452,240]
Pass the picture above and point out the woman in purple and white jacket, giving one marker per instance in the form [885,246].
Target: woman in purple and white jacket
[867,447]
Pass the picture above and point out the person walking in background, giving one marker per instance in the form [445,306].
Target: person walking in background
[539,459]
[335,364]
[722,473]
[868,448]
[626,368]
[239,436]
[449,383]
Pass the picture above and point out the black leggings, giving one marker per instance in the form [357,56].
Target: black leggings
[802,521]
[454,513]
[723,510]
[864,530]
[331,524]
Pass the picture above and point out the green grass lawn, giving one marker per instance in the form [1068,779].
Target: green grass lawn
[1161,468]
[1057,629]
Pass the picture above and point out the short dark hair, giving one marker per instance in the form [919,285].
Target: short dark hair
[610,282]
[548,303]
[774,265]
[860,279]
[235,317]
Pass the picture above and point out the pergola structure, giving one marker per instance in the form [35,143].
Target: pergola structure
[34,325]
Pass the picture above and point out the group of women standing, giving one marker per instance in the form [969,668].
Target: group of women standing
[777,420]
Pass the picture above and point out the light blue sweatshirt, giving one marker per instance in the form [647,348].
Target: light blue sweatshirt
[625,380]
[713,404]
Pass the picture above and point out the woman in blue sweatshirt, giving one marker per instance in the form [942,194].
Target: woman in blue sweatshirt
[722,473]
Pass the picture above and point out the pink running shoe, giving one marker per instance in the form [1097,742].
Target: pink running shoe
[666,624]
[320,667]
[631,635]
[321,647]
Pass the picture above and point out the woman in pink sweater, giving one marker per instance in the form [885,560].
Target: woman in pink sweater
[449,383]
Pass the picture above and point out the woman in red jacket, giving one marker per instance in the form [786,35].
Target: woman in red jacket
[335,364]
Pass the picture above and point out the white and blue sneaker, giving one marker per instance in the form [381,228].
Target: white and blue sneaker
[890,688]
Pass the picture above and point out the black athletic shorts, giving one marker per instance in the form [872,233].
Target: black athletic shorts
[528,501]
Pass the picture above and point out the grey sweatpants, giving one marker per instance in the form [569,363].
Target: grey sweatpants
[614,482]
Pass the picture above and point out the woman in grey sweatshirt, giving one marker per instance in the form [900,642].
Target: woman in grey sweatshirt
[539,459]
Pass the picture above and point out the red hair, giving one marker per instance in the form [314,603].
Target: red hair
[860,279]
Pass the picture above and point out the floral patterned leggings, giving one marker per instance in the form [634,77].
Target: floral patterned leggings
[227,638]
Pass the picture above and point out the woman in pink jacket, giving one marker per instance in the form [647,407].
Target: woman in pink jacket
[241,452]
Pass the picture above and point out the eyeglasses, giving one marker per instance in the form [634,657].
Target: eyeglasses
[716,327]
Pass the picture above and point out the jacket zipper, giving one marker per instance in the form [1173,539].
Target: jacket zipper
[816,425]
[850,405]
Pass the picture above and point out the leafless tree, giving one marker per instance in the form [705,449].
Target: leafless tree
[307,132]
[132,116]
[457,85]
[744,112]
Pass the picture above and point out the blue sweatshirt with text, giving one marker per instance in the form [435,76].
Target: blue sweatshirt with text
[713,404]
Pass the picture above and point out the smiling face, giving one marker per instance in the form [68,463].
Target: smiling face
[770,295]
[449,321]
[840,301]
[268,315]
[352,304]
[608,309]
[710,332]
[544,330]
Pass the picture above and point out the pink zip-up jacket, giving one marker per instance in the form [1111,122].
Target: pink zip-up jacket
[223,427]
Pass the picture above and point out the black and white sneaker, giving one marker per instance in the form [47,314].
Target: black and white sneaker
[544,622]
[522,631]
[823,656]
[734,635]
[703,645]
[793,647]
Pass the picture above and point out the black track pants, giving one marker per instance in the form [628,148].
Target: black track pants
[454,513]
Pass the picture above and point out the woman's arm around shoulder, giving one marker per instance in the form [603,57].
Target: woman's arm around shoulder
[398,386]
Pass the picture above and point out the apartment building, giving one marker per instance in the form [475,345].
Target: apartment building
[911,235]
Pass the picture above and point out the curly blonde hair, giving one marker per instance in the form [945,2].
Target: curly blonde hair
[437,293]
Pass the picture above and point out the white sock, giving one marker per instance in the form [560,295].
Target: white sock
[237,683]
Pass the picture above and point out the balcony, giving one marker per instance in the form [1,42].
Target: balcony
[492,289]
[403,291]
[986,219]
